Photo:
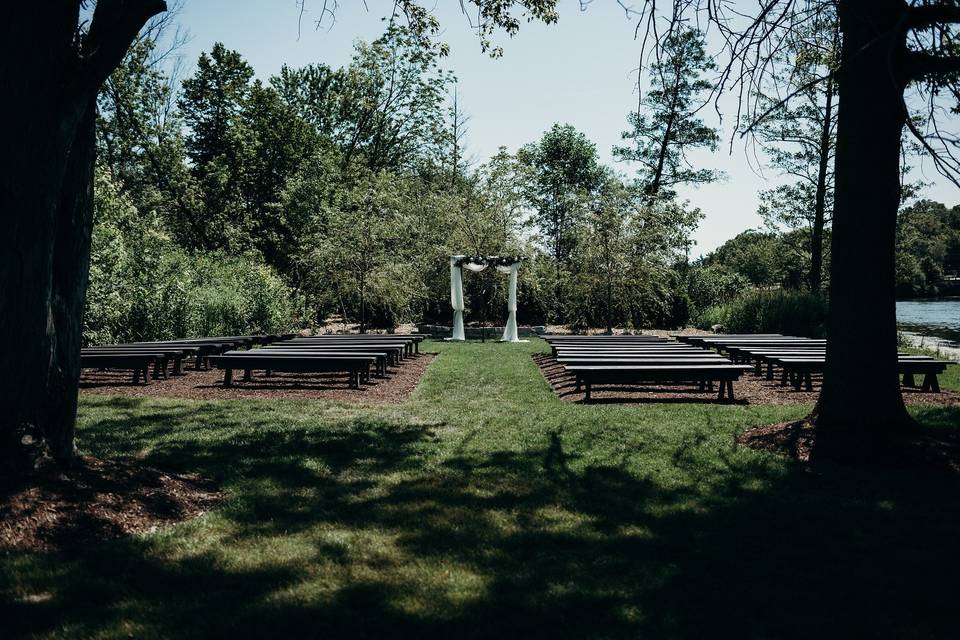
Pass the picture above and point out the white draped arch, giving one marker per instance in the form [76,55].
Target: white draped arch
[508,265]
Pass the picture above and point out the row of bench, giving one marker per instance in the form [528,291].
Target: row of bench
[356,355]
[166,357]
[629,359]
[799,359]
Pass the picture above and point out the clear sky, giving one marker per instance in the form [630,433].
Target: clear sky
[580,71]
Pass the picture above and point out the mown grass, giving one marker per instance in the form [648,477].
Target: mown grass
[484,507]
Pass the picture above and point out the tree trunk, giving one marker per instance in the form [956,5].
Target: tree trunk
[861,391]
[71,270]
[363,306]
[816,240]
[47,159]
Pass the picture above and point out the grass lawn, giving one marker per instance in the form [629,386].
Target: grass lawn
[484,506]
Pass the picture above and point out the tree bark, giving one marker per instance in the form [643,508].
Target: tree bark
[50,79]
[861,391]
[71,270]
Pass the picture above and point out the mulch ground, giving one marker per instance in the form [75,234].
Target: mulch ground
[208,385]
[55,508]
[750,389]
[918,448]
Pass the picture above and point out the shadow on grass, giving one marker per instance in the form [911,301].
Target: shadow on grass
[350,531]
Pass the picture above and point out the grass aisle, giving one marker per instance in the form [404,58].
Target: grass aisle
[484,506]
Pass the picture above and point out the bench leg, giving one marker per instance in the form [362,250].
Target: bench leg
[579,383]
[247,375]
[136,376]
[178,366]
[723,390]
[797,380]
[702,386]
[730,390]
[228,377]
[759,370]
[808,380]
[908,380]
[930,383]
[769,371]
[783,377]
[586,386]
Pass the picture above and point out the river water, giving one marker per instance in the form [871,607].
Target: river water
[932,322]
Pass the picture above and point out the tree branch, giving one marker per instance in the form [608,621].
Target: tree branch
[925,16]
[115,25]
[920,65]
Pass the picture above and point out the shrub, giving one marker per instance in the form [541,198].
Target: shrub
[783,311]
[144,287]
[714,285]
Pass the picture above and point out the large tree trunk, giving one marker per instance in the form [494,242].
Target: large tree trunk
[49,80]
[34,149]
[861,391]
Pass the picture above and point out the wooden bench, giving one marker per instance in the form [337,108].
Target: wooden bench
[413,339]
[407,347]
[798,371]
[396,352]
[162,366]
[381,358]
[140,363]
[357,367]
[725,374]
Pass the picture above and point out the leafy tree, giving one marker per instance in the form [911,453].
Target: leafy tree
[799,135]
[668,128]
[928,247]
[391,103]
[756,255]
[563,171]
[212,101]
[891,51]
[212,104]
[358,249]
[711,285]
[278,142]
[312,91]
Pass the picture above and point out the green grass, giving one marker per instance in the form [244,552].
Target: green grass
[484,507]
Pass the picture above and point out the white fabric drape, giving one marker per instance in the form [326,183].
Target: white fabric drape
[456,298]
[472,266]
[510,333]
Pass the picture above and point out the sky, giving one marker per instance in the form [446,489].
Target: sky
[580,71]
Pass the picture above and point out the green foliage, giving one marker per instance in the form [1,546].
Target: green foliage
[661,137]
[756,255]
[349,184]
[713,285]
[788,312]
[144,287]
[928,248]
